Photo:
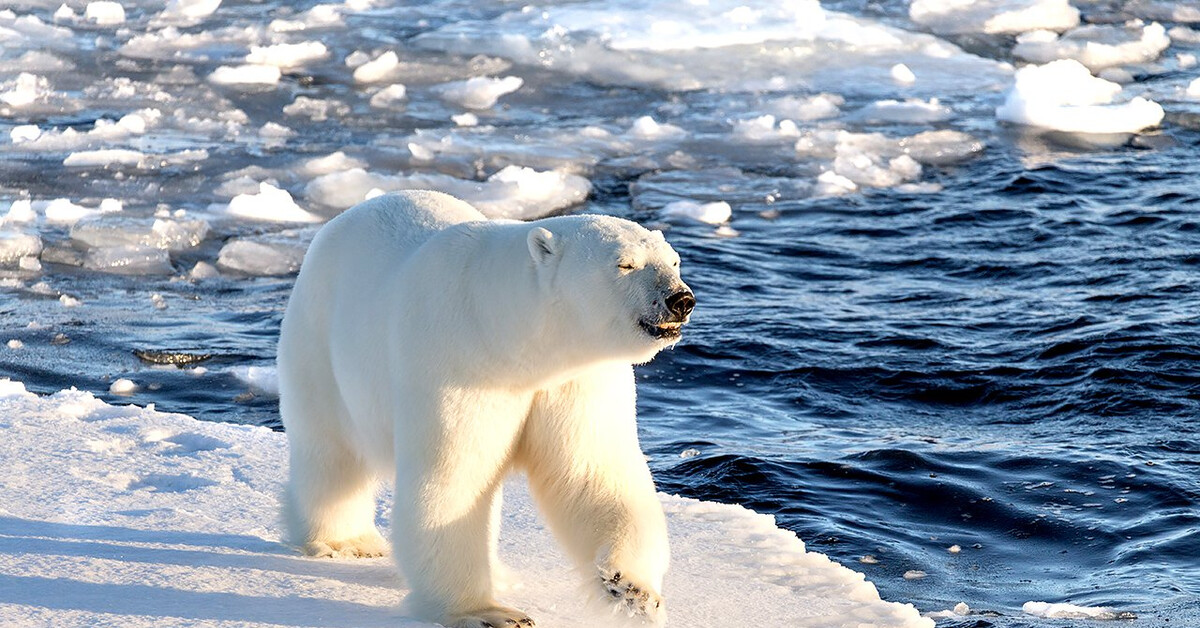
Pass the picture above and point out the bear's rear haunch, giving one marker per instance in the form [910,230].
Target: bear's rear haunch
[429,344]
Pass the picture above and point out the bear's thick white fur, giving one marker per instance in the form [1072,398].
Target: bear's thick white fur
[426,344]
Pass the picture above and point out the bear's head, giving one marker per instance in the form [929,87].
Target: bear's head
[614,284]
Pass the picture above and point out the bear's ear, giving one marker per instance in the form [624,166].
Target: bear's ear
[541,244]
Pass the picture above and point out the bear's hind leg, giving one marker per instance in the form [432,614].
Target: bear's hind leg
[330,502]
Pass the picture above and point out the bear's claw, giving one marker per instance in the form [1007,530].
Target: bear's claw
[498,617]
[633,599]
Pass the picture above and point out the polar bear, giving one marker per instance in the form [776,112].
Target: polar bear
[429,344]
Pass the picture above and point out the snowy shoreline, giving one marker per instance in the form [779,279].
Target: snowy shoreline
[121,515]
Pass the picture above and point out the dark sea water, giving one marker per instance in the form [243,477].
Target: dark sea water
[1009,364]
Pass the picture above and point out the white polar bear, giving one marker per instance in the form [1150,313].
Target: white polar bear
[424,341]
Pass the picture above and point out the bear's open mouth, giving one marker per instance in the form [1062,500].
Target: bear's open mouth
[662,330]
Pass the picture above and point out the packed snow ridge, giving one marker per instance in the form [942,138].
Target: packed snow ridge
[170,521]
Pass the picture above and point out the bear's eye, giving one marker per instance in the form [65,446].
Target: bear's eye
[626,266]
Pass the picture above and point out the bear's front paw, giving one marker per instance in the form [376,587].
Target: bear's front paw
[495,617]
[369,545]
[634,599]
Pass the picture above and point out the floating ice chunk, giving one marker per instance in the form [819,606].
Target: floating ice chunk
[1064,96]
[67,300]
[960,610]
[1071,611]
[1184,35]
[25,133]
[715,213]
[1096,47]
[356,59]
[830,183]
[320,16]
[316,109]
[129,259]
[287,55]
[105,157]
[249,74]
[189,9]
[344,189]
[480,92]
[25,90]
[14,246]
[65,13]
[63,211]
[19,212]
[270,203]
[15,344]
[993,16]
[379,69]
[333,162]
[123,387]
[465,119]
[902,74]
[264,379]
[764,129]
[524,193]
[914,574]
[202,271]
[105,12]
[817,107]
[261,256]
[1166,10]
[116,230]
[912,111]
[646,128]
[1193,89]
[389,97]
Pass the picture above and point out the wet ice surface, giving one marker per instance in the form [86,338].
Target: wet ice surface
[874,172]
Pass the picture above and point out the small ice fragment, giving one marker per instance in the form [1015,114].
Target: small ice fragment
[901,74]
[20,212]
[1071,611]
[690,452]
[1193,89]
[68,301]
[104,157]
[377,70]
[26,89]
[190,9]
[15,344]
[287,55]
[261,258]
[123,387]
[714,213]
[64,13]
[271,203]
[389,97]
[954,549]
[259,378]
[868,559]
[914,574]
[962,609]
[647,128]
[30,264]
[105,12]
[159,302]
[129,259]
[420,153]
[202,271]
[465,119]
[15,246]
[480,92]
[357,58]
[830,183]
[24,133]
[249,74]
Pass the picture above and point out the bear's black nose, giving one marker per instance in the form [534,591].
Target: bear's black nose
[681,303]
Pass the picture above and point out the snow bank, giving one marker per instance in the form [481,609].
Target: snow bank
[120,515]
[1064,96]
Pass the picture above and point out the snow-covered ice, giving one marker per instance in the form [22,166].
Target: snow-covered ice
[144,518]
[480,92]
[270,204]
[1064,96]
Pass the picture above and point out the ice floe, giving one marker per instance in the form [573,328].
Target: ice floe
[1064,96]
